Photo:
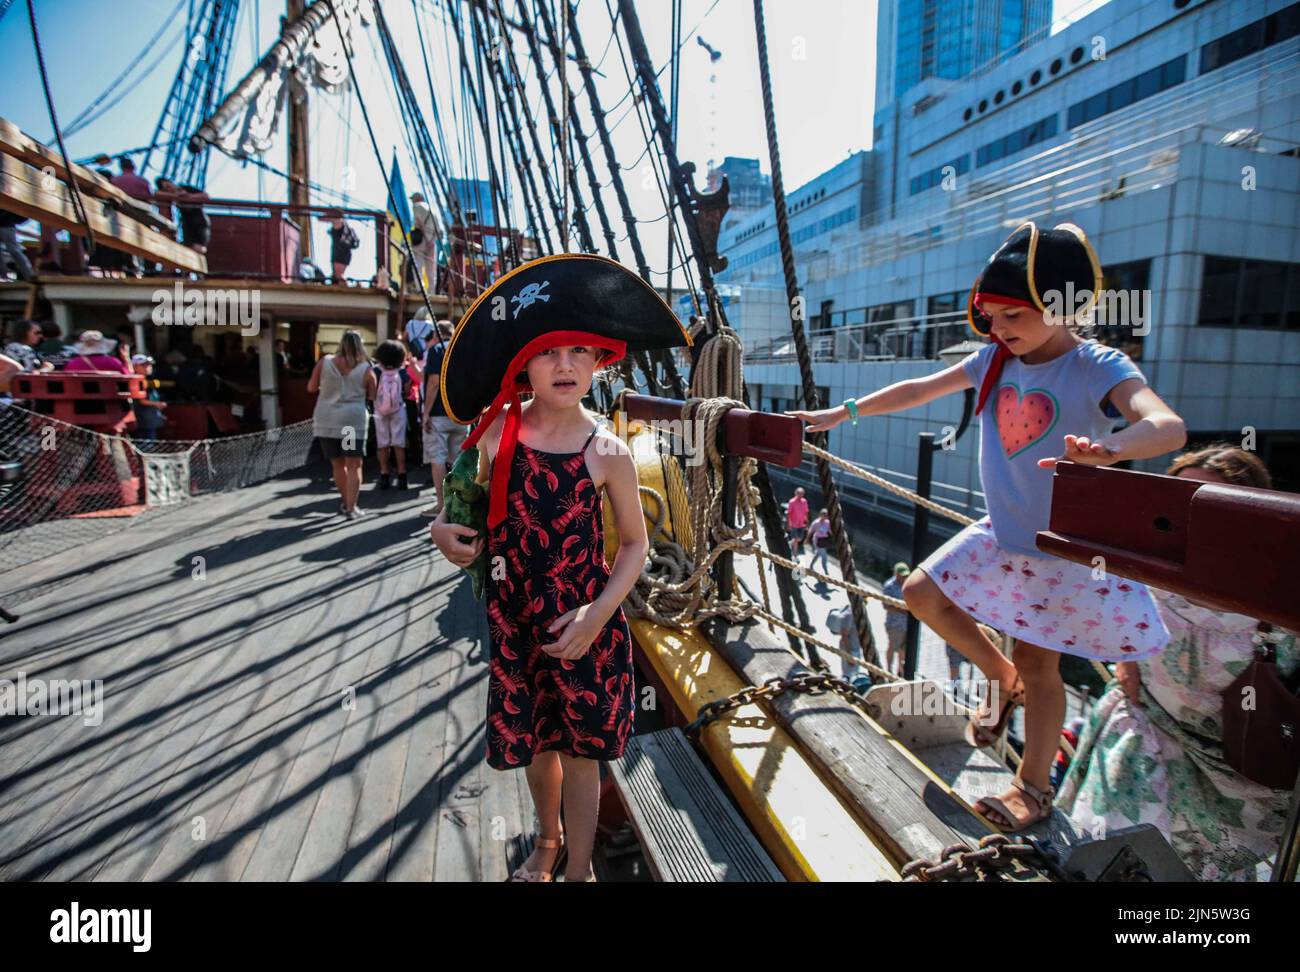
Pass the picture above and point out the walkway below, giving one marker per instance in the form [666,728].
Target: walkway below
[286,696]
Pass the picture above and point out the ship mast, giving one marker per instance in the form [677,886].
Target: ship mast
[299,155]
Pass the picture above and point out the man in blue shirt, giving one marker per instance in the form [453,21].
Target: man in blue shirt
[442,435]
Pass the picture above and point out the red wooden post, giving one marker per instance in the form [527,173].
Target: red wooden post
[1235,547]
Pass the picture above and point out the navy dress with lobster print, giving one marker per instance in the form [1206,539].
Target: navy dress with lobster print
[553,546]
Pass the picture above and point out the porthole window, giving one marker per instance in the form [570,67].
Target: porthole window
[1056,67]
[983,106]
[1076,55]
[1180,4]
[997,98]
[965,115]
[1016,88]
[1036,77]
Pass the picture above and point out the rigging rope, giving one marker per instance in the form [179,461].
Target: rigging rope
[830,496]
[54,121]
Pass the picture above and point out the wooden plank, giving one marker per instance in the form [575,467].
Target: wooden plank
[1182,535]
[803,824]
[17,143]
[222,702]
[686,825]
[24,190]
[764,436]
[909,812]
[415,835]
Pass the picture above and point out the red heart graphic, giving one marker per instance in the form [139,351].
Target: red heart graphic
[1023,421]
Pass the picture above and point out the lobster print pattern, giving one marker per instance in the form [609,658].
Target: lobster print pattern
[553,545]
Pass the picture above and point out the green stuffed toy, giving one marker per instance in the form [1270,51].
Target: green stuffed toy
[467,505]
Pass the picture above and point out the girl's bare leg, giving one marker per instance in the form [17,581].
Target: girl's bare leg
[399,452]
[545,781]
[1044,709]
[1040,668]
[581,803]
[933,609]
[383,460]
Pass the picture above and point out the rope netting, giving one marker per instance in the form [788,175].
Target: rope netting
[65,485]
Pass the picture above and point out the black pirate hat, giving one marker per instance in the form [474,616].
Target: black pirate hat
[1031,263]
[570,298]
[524,312]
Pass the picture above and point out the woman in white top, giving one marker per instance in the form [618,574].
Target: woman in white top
[344,381]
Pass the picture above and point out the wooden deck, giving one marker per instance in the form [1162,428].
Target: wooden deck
[226,750]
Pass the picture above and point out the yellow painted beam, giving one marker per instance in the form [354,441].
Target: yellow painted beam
[808,832]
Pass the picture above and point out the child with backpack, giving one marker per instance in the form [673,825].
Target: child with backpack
[393,386]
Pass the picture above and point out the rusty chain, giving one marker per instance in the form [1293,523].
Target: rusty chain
[812,683]
[996,858]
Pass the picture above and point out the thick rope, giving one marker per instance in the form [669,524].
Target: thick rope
[885,484]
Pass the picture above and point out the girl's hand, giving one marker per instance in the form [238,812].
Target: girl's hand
[459,544]
[822,420]
[577,630]
[1083,450]
[1129,677]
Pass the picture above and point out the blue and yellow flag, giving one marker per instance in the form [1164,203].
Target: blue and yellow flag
[401,220]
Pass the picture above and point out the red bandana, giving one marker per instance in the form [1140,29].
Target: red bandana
[512,383]
[1003,353]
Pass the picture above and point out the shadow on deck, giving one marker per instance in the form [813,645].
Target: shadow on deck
[286,696]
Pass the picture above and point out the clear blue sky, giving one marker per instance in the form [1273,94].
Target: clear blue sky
[822,54]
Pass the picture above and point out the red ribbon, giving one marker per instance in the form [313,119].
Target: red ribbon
[513,382]
[1003,353]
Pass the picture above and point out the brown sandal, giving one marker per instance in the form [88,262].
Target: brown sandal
[523,874]
[1040,806]
[978,734]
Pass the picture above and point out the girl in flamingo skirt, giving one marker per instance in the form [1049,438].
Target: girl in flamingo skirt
[561,693]
[1041,381]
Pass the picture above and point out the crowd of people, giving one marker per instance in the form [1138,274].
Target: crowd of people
[189,375]
[398,392]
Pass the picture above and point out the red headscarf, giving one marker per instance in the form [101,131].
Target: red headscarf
[1003,353]
[514,381]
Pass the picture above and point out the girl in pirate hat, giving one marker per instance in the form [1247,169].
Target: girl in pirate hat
[1040,385]
[561,692]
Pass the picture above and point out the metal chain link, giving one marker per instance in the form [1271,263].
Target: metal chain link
[813,683]
[996,858]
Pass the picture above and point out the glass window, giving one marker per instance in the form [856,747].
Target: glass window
[1174,72]
[1263,291]
[1292,317]
[1122,95]
[1148,83]
[1219,291]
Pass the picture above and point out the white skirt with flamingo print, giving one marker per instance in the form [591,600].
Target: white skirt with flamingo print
[1046,601]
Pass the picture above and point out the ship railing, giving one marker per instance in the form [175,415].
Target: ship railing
[259,240]
[909,338]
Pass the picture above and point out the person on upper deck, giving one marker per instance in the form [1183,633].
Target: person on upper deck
[1040,379]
